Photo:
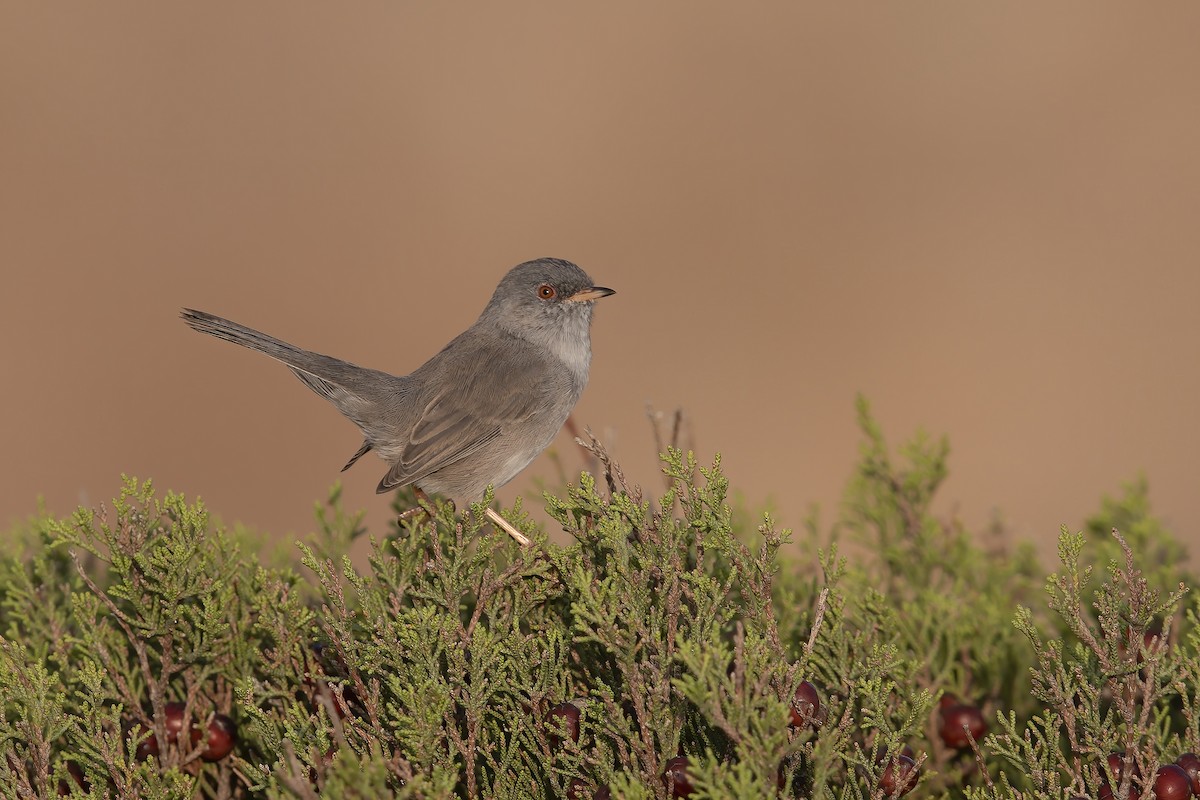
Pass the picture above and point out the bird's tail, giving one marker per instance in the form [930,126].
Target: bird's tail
[357,392]
[248,337]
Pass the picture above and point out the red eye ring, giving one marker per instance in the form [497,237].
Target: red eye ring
[546,292]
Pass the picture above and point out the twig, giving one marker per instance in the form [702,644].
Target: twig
[613,476]
[504,525]
[591,462]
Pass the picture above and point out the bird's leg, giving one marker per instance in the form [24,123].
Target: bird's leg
[418,509]
[504,525]
[497,520]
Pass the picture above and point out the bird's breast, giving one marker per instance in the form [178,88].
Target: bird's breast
[574,349]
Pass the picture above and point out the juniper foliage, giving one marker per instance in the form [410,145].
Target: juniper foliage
[454,663]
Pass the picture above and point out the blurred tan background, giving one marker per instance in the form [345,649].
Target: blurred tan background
[981,215]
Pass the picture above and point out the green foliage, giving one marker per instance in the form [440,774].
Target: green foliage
[676,626]
[1118,685]
[1160,555]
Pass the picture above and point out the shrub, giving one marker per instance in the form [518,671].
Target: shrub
[669,649]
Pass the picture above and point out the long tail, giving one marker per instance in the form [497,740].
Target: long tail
[357,392]
[255,340]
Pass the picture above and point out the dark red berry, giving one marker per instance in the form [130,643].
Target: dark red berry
[563,718]
[899,777]
[1116,763]
[173,722]
[222,734]
[881,753]
[148,746]
[1172,783]
[1191,765]
[173,725]
[602,793]
[806,704]
[947,699]
[676,777]
[960,724]
[325,696]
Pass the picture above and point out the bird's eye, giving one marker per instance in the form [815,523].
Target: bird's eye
[546,292]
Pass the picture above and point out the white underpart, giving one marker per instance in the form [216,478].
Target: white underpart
[573,345]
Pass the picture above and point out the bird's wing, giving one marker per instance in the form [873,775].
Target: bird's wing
[439,440]
[458,421]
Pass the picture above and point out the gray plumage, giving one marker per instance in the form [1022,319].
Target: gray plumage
[480,410]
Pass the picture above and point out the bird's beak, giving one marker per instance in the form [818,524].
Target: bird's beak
[590,293]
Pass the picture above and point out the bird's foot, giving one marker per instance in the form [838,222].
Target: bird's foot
[420,510]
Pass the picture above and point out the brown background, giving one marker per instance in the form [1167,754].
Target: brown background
[981,215]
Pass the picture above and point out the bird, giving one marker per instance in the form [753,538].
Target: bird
[478,411]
